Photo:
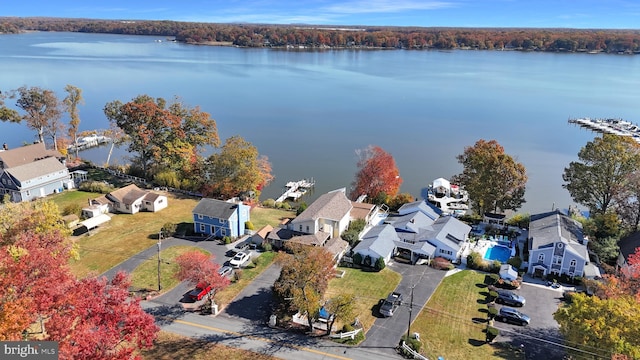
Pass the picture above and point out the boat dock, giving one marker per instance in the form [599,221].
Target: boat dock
[295,189]
[88,142]
[609,126]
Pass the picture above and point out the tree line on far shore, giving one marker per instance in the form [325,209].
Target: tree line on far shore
[313,36]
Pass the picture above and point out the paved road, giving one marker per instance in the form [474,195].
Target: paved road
[385,333]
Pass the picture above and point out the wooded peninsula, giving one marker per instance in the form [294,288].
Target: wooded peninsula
[348,37]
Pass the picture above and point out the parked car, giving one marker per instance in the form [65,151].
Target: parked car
[239,259]
[225,270]
[510,298]
[390,304]
[201,290]
[243,245]
[512,315]
[231,253]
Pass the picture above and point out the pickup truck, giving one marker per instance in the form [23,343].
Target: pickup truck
[390,304]
[201,290]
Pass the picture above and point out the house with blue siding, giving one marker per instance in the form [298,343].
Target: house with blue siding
[558,246]
[31,172]
[219,218]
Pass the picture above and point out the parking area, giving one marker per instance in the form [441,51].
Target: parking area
[541,338]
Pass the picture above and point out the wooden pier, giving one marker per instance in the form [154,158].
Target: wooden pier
[295,189]
[609,126]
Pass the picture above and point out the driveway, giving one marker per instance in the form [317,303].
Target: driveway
[385,333]
[541,338]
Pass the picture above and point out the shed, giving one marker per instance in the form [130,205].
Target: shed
[507,272]
[95,221]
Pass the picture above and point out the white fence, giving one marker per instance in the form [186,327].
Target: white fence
[350,334]
[413,353]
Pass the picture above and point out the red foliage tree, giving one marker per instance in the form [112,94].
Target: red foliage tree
[100,321]
[377,173]
[196,267]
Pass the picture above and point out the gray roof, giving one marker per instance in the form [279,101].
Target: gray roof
[422,206]
[447,230]
[333,205]
[215,208]
[128,194]
[25,155]
[36,169]
[628,244]
[546,229]
[411,222]
[379,239]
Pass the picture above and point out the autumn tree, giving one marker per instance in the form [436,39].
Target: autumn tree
[602,172]
[90,318]
[71,102]
[304,278]
[7,114]
[163,135]
[237,169]
[493,179]
[628,203]
[377,173]
[41,111]
[196,267]
[342,308]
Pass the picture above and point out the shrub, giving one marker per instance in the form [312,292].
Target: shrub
[357,259]
[347,328]
[441,263]
[267,246]
[167,178]
[226,240]
[492,333]
[96,187]
[474,260]
[302,207]
[269,203]
[493,311]
[70,209]
[350,236]
[367,260]
[379,265]
[515,261]
[249,225]
[492,296]
[169,229]
[495,266]
[413,343]
[493,279]
[285,206]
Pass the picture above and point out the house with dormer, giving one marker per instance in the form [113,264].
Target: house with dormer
[329,214]
[217,218]
[31,172]
[558,246]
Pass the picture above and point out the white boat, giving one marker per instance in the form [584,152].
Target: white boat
[449,198]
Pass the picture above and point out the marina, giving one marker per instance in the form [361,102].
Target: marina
[295,189]
[448,197]
[87,142]
[609,126]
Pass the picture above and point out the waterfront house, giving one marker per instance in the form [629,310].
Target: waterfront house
[378,242]
[628,246]
[558,246]
[219,218]
[31,172]
[131,199]
[330,214]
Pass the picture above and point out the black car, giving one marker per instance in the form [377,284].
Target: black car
[390,304]
[510,298]
[512,315]
[243,245]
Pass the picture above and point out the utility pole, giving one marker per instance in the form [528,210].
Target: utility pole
[410,308]
[159,260]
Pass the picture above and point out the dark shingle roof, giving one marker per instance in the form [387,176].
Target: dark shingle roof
[128,194]
[213,208]
[629,244]
[25,155]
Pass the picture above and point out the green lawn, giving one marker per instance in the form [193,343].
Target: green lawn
[145,276]
[261,216]
[368,287]
[447,321]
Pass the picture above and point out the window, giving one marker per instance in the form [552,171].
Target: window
[573,262]
[307,228]
[300,227]
[557,260]
[447,252]
[223,231]
[202,228]
[540,257]
[4,181]
[200,216]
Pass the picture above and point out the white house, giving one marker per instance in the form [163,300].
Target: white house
[378,242]
[330,214]
[131,199]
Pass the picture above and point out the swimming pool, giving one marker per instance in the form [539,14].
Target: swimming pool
[498,252]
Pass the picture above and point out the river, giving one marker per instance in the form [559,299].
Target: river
[309,111]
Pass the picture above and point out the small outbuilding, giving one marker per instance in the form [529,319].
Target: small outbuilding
[507,272]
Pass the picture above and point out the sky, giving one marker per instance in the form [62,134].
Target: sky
[590,14]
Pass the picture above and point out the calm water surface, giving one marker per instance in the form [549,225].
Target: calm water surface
[309,111]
